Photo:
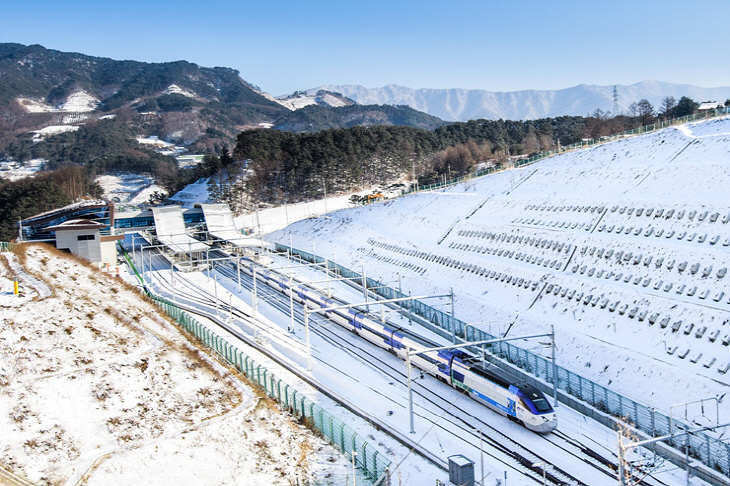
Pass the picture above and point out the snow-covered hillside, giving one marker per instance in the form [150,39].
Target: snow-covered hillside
[97,388]
[623,247]
[301,99]
[471,104]
[77,102]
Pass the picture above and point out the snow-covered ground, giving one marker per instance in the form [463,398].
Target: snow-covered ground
[191,194]
[175,89]
[161,146]
[273,219]
[52,130]
[96,387]
[77,102]
[627,243]
[29,168]
[622,247]
[373,381]
[128,189]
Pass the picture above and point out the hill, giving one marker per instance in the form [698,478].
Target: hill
[201,108]
[622,247]
[102,389]
[471,104]
[40,86]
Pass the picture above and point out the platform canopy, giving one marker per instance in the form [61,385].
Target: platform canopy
[219,220]
[170,228]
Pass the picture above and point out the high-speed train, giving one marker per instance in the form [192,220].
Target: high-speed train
[518,401]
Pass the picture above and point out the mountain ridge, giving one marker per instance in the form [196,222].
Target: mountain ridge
[200,108]
[456,104]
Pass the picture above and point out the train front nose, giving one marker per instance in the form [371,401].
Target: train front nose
[547,423]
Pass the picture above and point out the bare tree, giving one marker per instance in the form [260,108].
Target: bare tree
[643,111]
[668,107]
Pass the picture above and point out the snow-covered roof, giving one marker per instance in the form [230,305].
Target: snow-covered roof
[170,229]
[77,224]
[219,220]
[85,204]
[710,105]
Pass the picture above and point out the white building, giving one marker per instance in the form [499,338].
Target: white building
[83,237]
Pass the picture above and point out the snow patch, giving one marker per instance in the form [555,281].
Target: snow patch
[175,89]
[51,130]
[79,101]
[34,105]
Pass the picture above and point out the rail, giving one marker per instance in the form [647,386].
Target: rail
[370,464]
[709,450]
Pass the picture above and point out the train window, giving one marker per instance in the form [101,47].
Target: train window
[542,405]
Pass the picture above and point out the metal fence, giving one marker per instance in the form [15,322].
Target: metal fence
[5,246]
[568,148]
[370,466]
[710,451]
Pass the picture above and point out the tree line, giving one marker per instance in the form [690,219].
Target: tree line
[281,166]
[46,191]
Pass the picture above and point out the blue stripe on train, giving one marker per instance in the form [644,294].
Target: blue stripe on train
[508,410]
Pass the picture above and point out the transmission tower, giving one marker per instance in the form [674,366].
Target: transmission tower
[615,101]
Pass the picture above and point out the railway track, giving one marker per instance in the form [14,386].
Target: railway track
[504,449]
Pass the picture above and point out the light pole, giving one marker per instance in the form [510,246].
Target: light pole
[481,458]
[555,367]
[306,331]
[253,303]
[354,454]
[453,324]
[624,448]
[410,392]
[172,278]
[291,301]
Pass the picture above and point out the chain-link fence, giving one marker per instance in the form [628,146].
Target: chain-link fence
[710,451]
[370,466]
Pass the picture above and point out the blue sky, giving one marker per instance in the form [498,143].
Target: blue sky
[497,45]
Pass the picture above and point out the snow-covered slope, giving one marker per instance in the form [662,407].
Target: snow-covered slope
[623,247]
[320,97]
[77,102]
[470,104]
[98,388]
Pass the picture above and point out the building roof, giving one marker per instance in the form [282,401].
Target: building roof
[710,105]
[77,224]
[54,213]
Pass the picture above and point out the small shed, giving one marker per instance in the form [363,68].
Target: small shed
[461,470]
[83,237]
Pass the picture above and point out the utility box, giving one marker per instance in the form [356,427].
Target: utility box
[461,470]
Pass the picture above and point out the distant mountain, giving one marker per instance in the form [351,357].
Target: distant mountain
[470,104]
[177,101]
[317,117]
[301,99]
